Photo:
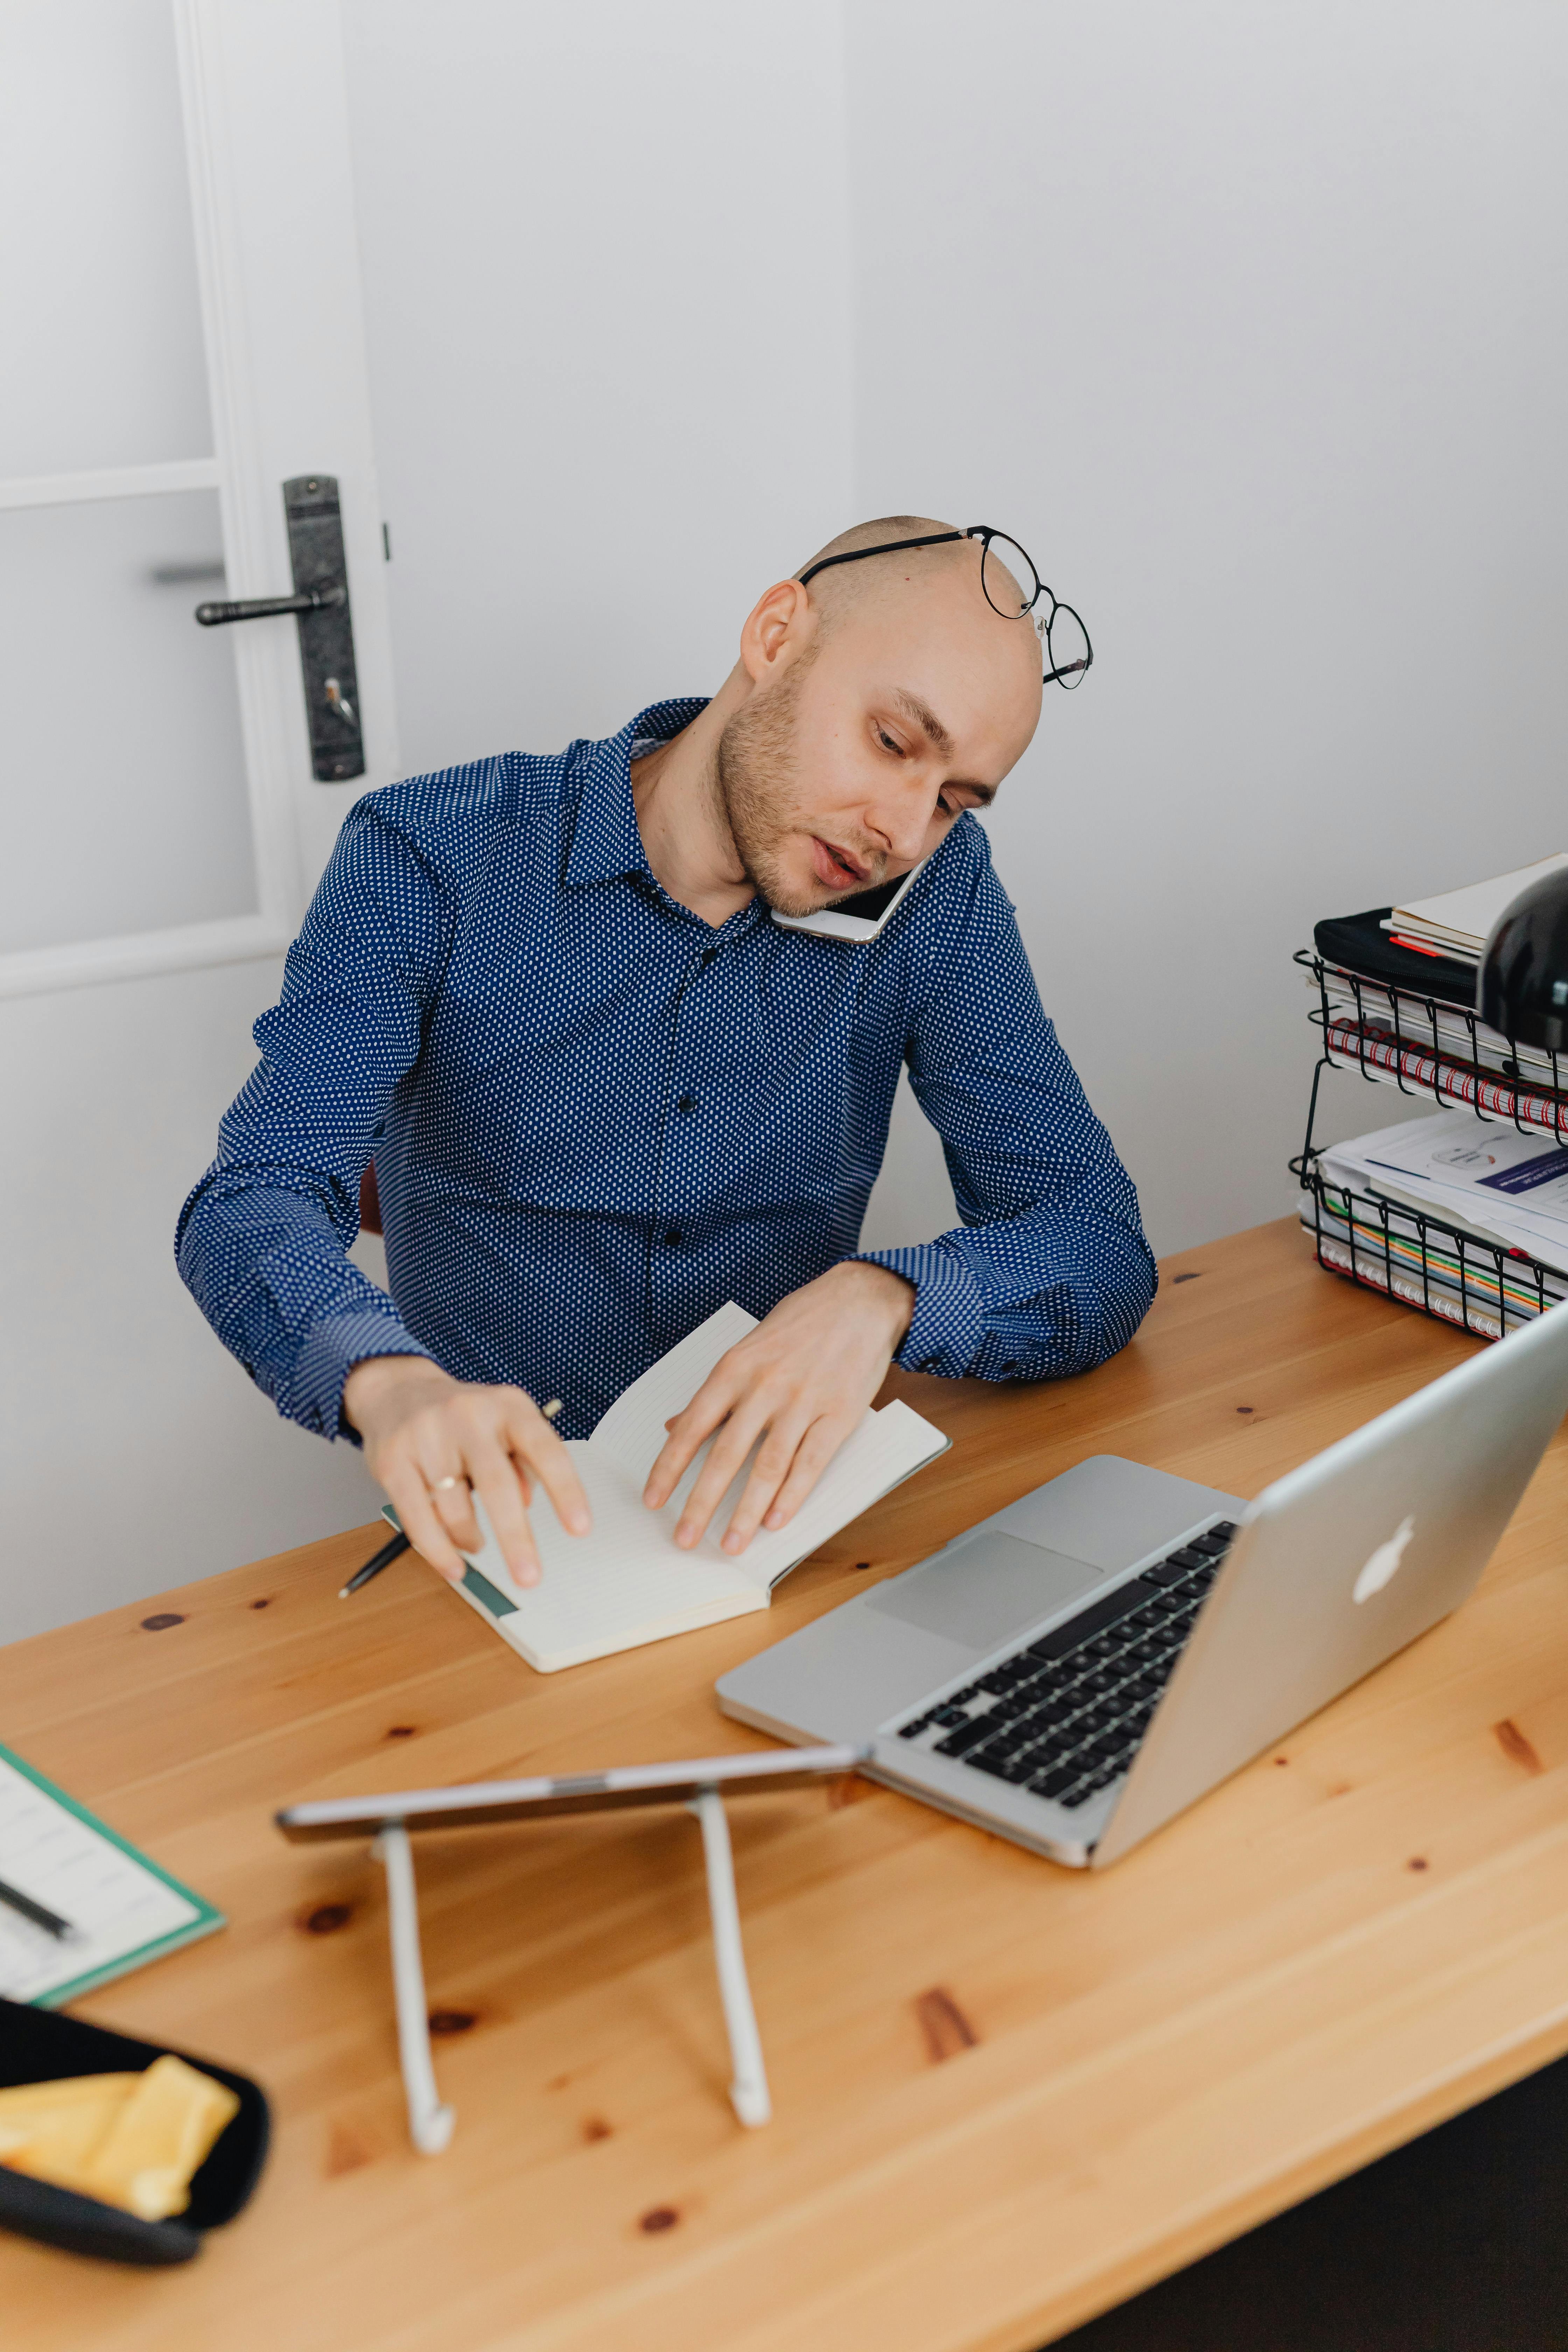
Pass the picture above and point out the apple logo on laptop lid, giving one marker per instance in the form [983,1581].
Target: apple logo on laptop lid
[1385,1562]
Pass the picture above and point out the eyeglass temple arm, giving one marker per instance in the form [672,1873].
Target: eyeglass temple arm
[942,539]
[887,547]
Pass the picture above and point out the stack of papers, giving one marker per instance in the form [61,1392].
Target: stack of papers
[1455,924]
[1503,1195]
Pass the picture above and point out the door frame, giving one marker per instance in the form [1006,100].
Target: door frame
[265,103]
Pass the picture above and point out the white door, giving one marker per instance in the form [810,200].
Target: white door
[179,288]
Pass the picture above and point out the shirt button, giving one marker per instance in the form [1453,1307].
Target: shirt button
[687,1102]
[672,1237]
[708,954]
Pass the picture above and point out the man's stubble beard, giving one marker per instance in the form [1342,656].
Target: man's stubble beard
[756,782]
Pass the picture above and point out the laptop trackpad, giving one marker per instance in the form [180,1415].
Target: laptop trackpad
[983,1590]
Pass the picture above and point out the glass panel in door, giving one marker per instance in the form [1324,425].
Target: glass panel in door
[124,771]
[104,363]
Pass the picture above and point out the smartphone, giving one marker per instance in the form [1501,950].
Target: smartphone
[858,919]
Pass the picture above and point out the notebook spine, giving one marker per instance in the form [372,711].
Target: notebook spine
[1354,1045]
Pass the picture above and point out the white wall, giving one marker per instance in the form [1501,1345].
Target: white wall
[607,278]
[1248,320]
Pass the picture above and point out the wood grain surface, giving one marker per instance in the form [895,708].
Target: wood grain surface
[1006,2095]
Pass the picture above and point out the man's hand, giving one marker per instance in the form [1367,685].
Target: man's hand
[436,1444]
[805,1376]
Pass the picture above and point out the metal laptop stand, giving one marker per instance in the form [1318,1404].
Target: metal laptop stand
[700,1787]
[429,2121]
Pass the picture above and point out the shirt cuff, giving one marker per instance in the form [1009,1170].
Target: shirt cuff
[949,1322]
[333,1347]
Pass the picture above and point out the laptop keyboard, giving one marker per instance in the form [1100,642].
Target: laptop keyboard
[1062,1717]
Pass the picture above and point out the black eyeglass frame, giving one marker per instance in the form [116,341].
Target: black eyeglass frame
[985,532]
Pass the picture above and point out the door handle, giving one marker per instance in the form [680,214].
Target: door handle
[263,608]
[321,606]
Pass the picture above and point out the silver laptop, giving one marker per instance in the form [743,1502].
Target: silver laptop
[1086,1662]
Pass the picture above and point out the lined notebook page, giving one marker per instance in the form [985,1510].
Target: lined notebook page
[887,1447]
[621,1585]
[121,1907]
[633,1430]
[626,1581]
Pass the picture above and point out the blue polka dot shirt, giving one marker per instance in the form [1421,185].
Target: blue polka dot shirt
[594,1118]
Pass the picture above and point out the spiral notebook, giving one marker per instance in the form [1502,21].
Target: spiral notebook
[628,1582]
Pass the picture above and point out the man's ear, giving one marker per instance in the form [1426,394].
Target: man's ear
[777,630]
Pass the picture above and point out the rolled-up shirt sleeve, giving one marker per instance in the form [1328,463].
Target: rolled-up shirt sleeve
[262,1242]
[1049,1273]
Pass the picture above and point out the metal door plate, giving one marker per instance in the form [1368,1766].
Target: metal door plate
[326,635]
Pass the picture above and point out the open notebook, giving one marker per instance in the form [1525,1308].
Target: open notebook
[626,1582]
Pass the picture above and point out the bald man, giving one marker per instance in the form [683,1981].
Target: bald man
[606,1091]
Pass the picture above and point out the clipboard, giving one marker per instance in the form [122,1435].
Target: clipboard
[124,1908]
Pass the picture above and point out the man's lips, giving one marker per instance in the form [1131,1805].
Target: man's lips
[835,866]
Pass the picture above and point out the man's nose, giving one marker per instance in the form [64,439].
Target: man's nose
[903,825]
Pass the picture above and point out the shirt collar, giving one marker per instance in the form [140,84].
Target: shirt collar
[605,841]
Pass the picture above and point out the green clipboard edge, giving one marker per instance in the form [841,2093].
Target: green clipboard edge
[206,1922]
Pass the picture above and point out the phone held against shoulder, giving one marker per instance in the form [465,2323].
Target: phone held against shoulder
[858,918]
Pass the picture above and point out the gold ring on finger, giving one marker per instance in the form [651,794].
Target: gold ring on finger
[442,1485]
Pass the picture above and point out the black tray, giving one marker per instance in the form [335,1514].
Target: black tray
[42,2045]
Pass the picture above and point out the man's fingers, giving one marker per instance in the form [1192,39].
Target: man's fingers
[725,1457]
[817,1450]
[769,1471]
[405,1482]
[455,1504]
[529,1437]
[712,1404]
[687,1434]
[462,1464]
[497,1487]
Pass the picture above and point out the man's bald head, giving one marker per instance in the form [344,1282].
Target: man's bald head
[843,587]
[871,707]
[846,583]
[946,573]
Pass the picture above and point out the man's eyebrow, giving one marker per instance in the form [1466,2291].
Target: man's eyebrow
[925,719]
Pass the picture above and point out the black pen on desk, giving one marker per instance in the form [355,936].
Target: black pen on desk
[373,1566]
[39,1913]
[400,1544]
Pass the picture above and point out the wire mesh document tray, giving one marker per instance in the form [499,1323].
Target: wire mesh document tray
[1429,1048]
[1435,1051]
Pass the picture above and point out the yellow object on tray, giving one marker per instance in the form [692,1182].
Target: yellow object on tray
[51,2128]
[134,2140]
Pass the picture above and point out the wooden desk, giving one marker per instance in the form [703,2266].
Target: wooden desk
[1007,2094]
